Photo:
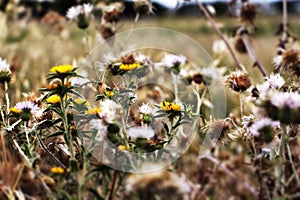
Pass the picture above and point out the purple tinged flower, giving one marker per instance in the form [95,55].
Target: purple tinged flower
[27,106]
[259,125]
[286,99]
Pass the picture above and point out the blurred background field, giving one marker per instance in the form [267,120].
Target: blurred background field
[34,45]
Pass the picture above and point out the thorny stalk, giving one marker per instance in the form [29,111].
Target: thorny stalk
[217,30]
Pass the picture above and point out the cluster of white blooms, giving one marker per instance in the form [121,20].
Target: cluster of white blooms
[75,11]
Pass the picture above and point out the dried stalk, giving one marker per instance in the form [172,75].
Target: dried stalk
[217,30]
[252,55]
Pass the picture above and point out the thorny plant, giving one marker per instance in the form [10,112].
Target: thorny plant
[43,137]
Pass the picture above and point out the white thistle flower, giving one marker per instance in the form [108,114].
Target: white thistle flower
[171,60]
[109,110]
[145,109]
[141,132]
[4,66]
[75,11]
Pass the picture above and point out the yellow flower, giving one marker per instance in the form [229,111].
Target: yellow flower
[175,107]
[15,110]
[122,147]
[57,170]
[128,67]
[109,93]
[93,111]
[62,69]
[54,99]
[82,101]
[167,106]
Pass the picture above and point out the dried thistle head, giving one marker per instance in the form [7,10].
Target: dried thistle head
[143,7]
[239,45]
[111,13]
[248,13]
[238,81]
[107,31]
[288,61]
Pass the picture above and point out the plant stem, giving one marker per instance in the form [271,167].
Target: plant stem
[278,165]
[6,99]
[241,104]
[49,153]
[284,22]
[113,183]
[217,30]
[252,55]
[292,163]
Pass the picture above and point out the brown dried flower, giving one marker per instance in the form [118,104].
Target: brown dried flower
[248,13]
[239,81]
[288,61]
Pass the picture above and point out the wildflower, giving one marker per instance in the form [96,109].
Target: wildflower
[283,106]
[167,106]
[5,72]
[239,45]
[238,81]
[57,170]
[143,7]
[54,99]
[82,102]
[111,12]
[248,13]
[27,106]
[106,31]
[288,61]
[141,132]
[62,69]
[122,147]
[274,82]
[263,128]
[108,93]
[109,110]
[15,110]
[81,13]
[93,111]
[25,109]
[128,67]
[173,61]
[286,99]
[145,109]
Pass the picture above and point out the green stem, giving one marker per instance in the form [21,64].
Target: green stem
[66,125]
[279,168]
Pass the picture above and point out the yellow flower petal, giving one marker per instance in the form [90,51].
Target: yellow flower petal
[57,170]
[54,99]
[93,111]
[128,67]
[15,110]
[62,69]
